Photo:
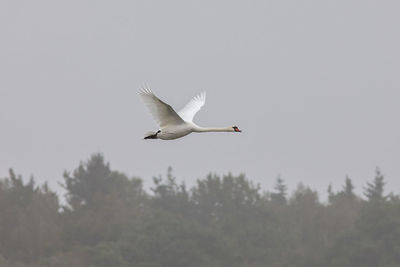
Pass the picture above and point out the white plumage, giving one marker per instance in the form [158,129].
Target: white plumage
[191,108]
[175,125]
[163,113]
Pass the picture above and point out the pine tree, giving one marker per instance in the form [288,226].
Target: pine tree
[331,194]
[374,190]
[281,191]
[348,188]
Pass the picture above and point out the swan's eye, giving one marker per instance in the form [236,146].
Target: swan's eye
[236,129]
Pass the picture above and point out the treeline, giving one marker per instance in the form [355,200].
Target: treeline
[110,221]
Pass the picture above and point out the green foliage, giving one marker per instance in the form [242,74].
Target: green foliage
[374,190]
[29,220]
[109,220]
[281,192]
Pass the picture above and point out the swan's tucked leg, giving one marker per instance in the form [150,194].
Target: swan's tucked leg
[151,135]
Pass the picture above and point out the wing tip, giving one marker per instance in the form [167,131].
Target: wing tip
[145,90]
[200,97]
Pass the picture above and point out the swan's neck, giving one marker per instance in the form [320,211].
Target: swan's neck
[212,129]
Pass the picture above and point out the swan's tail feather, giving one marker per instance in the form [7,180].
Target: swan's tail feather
[151,135]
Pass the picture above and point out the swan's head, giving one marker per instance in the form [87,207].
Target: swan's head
[236,129]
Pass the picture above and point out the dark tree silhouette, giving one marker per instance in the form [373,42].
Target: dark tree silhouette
[109,220]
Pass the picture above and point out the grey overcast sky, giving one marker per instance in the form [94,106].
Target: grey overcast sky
[314,85]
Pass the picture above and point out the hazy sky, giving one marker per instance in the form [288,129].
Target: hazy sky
[314,85]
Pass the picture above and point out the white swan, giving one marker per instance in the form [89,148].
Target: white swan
[175,125]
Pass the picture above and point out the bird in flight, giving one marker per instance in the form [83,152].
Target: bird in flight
[173,124]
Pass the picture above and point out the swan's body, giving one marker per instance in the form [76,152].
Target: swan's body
[174,125]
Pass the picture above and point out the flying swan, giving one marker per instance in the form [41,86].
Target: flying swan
[175,125]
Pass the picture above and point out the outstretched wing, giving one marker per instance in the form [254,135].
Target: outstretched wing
[191,108]
[162,113]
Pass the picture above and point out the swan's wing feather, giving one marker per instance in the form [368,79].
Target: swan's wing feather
[162,113]
[187,112]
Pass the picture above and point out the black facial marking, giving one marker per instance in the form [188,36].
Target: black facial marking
[236,129]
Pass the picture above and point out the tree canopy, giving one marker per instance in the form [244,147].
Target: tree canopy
[108,219]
